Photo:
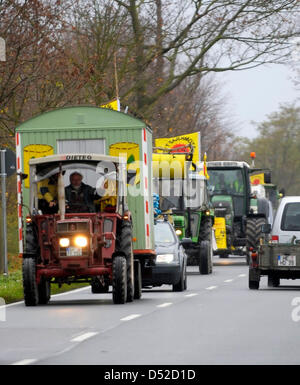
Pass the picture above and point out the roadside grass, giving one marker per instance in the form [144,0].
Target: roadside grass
[11,286]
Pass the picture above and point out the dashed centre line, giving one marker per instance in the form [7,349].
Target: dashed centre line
[166,304]
[130,317]
[242,275]
[228,280]
[211,287]
[27,361]
[84,337]
[191,295]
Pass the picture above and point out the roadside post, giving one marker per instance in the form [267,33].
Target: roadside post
[8,167]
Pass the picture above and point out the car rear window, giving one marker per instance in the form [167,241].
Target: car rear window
[291,217]
[163,233]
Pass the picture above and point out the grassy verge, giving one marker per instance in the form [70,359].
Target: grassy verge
[11,286]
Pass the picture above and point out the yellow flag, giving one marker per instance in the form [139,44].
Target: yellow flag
[257,179]
[112,105]
[182,140]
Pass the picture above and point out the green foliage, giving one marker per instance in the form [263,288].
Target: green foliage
[277,147]
[11,287]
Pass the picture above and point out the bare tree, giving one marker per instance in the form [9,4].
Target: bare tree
[198,37]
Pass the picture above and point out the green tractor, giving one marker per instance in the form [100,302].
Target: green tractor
[237,223]
[184,197]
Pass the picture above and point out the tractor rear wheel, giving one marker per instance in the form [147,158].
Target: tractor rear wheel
[253,233]
[30,287]
[137,280]
[119,280]
[127,249]
[44,290]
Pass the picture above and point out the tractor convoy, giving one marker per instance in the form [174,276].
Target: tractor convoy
[86,181]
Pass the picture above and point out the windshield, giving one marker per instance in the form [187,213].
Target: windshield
[226,182]
[170,193]
[291,217]
[163,233]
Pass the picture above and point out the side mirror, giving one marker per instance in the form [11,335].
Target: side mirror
[186,242]
[131,174]
[22,175]
[266,228]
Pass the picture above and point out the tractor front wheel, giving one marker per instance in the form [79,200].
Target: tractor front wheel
[99,286]
[119,280]
[30,286]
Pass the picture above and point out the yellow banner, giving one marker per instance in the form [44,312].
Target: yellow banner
[182,140]
[220,232]
[35,151]
[132,151]
[113,105]
[257,179]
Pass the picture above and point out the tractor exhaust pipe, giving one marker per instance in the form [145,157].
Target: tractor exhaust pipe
[61,196]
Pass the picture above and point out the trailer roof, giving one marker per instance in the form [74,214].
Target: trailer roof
[76,158]
[81,118]
[227,163]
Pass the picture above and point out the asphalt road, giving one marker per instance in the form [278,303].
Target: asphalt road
[218,320]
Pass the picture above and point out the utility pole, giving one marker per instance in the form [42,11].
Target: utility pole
[3,175]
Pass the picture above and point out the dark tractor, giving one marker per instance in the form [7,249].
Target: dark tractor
[237,224]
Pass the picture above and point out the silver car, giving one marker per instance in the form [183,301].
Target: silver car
[287,220]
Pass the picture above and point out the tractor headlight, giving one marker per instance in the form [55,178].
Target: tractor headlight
[165,258]
[64,242]
[179,232]
[81,241]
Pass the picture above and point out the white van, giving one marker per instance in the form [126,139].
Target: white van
[287,220]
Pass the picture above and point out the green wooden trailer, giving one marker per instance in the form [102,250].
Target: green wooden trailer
[87,130]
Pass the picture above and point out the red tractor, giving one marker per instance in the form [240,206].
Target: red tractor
[80,245]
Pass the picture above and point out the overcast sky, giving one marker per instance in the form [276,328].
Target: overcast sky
[254,94]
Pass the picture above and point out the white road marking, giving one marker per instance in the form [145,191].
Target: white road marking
[84,337]
[27,361]
[130,317]
[52,296]
[71,292]
[211,287]
[243,275]
[228,280]
[166,304]
[191,295]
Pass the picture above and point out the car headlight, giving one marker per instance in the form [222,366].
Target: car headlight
[81,241]
[179,232]
[64,242]
[165,258]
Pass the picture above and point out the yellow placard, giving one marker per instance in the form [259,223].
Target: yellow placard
[257,179]
[182,140]
[132,151]
[220,232]
[112,105]
[34,151]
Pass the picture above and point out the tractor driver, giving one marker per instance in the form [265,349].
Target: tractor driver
[238,185]
[221,185]
[80,197]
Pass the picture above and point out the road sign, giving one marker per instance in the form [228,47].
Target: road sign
[10,162]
